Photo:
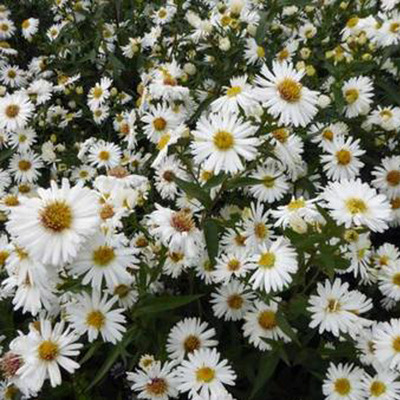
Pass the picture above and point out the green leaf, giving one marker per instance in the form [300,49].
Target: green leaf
[286,328]
[195,191]
[261,28]
[165,303]
[267,366]
[6,154]
[214,181]
[211,236]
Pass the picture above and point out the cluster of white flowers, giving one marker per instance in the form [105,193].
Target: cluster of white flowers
[232,163]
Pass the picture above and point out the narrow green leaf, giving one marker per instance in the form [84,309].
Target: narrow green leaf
[195,191]
[267,366]
[286,328]
[211,236]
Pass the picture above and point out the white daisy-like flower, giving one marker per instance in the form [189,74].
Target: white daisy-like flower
[239,95]
[387,343]
[205,374]
[336,309]
[29,27]
[356,203]
[189,335]
[221,140]
[358,93]
[382,386]
[99,93]
[343,382]
[15,111]
[48,349]
[342,160]
[25,166]
[254,53]
[231,264]
[94,315]
[231,301]
[389,280]
[387,176]
[388,118]
[385,254]
[261,323]
[23,138]
[284,96]
[156,382]
[104,154]
[323,134]
[54,225]
[104,258]
[274,266]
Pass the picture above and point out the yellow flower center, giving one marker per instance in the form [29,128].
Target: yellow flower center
[26,24]
[333,306]
[176,256]
[233,265]
[351,95]
[205,374]
[386,114]
[352,22]
[393,178]
[267,320]
[191,344]
[395,27]
[296,204]
[159,124]
[4,27]
[122,290]
[11,200]
[224,140]
[396,279]
[235,301]
[356,206]
[12,110]
[103,256]
[281,135]
[342,386]
[11,74]
[267,260]
[48,350]
[104,155]
[328,134]
[260,52]
[260,230]
[395,203]
[56,216]
[157,387]
[283,54]
[96,319]
[182,221]
[269,181]
[343,157]
[162,13]
[97,92]
[289,90]
[233,91]
[24,165]
[3,257]
[377,388]
[396,344]
[164,140]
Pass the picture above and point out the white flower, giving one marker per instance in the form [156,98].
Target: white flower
[53,226]
[387,176]
[387,343]
[205,374]
[343,382]
[356,203]
[273,266]
[358,93]
[336,309]
[15,111]
[47,350]
[99,93]
[94,315]
[189,335]
[389,280]
[30,27]
[232,263]
[104,154]
[221,140]
[284,96]
[157,382]
[382,386]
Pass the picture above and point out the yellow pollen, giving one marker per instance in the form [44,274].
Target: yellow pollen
[396,344]
[224,140]
[351,95]
[206,175]
[56,216]
[261,230]
[289,90]
[383,260]
[24,165]
[296,204]
[103,256]
[233,265]
[396,279]
[162,13]
[233,91]
[182,221]
[191,344]
[342,386]
[159,124]
[157,387]
[104,155]
[26,24]
[393,177]
[333,306]
[283,54]
[343,157]
[267,260]
[121,291]
[12,110]
[96,319]
[11,74]
[22,138]
[48,350]
[352,22]
[395,203]
[11,200]
[205,374]
[395,27]
[4,27]
[240,240]
[281,135]
[260,52]
[164,140]
[267,320]
[235,301]
[356,206]
[377,388]
[176,256]
[386,114]
[269,181]
[3,257]
[328,134]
